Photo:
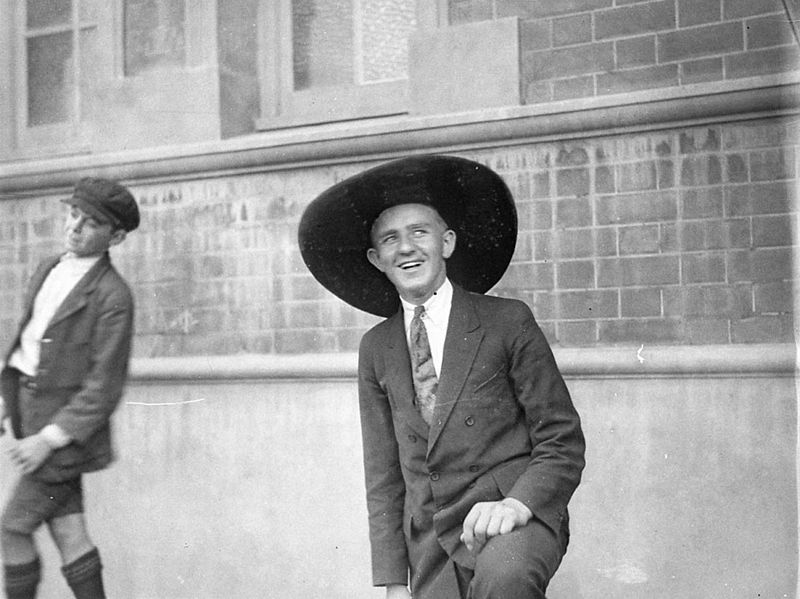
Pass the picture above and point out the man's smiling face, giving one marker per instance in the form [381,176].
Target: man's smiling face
[410,243]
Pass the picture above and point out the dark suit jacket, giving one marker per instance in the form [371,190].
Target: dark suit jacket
[504,425]
[82,369]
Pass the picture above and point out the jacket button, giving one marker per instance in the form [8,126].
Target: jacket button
[469,421]
[434,476]
[474,468]
[412,438]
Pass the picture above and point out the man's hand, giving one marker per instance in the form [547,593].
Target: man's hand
[491,518]
[30,453]
[397,591]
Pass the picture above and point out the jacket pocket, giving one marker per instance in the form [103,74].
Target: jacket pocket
[408,522]
[495,376]
[506,475]
[69,368]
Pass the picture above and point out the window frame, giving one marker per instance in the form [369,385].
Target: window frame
[71,133]
[283,107]
[122,52]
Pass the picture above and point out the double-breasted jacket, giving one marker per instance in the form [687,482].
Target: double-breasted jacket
[82,370]
[504,426]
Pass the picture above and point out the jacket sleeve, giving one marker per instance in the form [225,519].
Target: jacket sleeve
[102,386]
[557,455]
[384,480]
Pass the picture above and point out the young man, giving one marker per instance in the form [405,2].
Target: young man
[62,378]
[472,447]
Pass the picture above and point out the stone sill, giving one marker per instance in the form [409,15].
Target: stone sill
[378,139]
[772,360]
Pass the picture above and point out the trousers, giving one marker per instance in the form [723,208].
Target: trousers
[518,564]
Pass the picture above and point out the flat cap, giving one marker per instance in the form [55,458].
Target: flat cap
[107,201]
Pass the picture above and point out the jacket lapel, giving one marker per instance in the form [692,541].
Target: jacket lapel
[464,335]
[77,298]
[398,363]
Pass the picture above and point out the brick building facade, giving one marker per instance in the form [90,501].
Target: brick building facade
[652,150]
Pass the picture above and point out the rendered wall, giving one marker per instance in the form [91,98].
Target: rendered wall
[242,479]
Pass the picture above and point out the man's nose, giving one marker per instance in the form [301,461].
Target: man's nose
[76,225]
[405,244]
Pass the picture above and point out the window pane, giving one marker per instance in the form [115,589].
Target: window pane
[322,41]
[89,55]
[384,29]
[87,11]
[237,40]
[154,34]
[51,79]
[46,13]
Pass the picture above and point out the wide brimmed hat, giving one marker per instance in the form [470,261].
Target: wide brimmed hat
[334,232]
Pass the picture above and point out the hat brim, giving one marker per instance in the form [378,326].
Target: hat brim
[334,231]
[91,210]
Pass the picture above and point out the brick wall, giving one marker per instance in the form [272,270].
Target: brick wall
[680,236]
[584,48]
[671,237]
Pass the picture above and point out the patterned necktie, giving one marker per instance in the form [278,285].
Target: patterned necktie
[422,369]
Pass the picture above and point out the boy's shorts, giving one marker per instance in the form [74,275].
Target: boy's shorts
[34,502]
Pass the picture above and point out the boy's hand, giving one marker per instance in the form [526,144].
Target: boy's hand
[491,518]
[30,453]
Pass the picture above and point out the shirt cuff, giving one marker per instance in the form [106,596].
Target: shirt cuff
[54,436]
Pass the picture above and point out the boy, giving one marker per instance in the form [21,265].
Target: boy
[472,446]
[62,378]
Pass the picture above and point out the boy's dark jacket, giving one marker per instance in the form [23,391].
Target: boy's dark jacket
[504,426]
[82,370]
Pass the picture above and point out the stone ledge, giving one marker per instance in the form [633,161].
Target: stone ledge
[378,139]
[679,361]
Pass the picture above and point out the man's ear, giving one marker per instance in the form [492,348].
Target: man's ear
[448,243]
[372,256]
[117,237]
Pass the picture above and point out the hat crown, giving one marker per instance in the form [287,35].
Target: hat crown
[109,200]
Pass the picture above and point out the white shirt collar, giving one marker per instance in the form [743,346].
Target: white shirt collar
[437,308]
[69,262]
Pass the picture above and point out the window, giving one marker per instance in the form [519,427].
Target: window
[330,60]
[154,35]
[58,47]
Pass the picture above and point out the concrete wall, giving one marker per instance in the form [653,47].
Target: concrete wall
[243,479]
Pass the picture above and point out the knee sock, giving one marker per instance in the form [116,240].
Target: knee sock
[21,580]
[84,576]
